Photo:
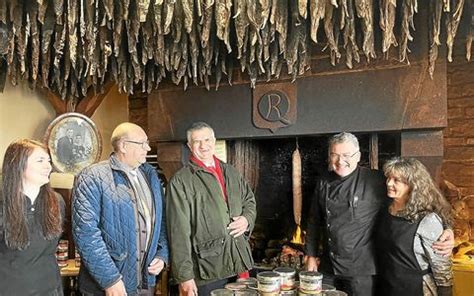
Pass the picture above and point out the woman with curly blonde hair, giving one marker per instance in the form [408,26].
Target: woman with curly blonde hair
[413,220]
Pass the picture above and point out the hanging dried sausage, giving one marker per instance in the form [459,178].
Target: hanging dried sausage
[297,192]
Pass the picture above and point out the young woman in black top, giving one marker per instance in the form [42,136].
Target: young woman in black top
[31,216]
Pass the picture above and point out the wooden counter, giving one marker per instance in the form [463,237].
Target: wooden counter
[463,278]
[71,269]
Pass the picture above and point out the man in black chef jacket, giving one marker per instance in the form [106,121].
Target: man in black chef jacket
[339,239]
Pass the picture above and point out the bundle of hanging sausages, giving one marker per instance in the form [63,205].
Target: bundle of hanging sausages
[68,46]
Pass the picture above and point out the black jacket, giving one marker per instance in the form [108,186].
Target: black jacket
[341,222]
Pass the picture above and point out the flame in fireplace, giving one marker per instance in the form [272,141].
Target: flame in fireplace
[298,236]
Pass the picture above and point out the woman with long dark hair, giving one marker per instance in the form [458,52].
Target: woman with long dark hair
[31,216]
[413,220]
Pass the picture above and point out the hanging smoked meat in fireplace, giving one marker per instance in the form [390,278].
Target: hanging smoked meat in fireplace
[297,193]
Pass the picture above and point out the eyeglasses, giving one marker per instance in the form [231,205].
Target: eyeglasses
[334,156]
[144,144]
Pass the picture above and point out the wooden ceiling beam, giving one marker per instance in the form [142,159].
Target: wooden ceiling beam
[89,104]
[59,105]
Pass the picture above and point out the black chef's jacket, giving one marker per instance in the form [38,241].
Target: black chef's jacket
[341,222]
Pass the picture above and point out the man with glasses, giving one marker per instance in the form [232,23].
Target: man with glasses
[339,239]
[118,219]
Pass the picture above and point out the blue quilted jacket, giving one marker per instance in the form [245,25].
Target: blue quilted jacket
[104,228]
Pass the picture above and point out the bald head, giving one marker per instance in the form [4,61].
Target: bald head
[130,144]
[123,131]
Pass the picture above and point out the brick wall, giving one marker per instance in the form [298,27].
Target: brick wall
[458,163]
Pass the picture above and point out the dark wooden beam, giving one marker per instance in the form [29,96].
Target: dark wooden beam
[89,104]
[59,105]
[370,101]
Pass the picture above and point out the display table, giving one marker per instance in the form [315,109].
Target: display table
[463,278]
[69,274]
[71,269]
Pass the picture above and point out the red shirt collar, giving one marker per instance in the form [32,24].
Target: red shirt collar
[201,164]
[216,171]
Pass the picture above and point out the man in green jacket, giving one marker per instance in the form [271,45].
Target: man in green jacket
[211,211]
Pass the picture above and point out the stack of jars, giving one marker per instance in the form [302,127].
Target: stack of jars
[311,282]
[269,283]
[62,252]
[282,281]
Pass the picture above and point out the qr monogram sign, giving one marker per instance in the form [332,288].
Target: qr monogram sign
[274,105]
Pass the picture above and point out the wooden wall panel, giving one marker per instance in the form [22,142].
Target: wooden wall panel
[390,99]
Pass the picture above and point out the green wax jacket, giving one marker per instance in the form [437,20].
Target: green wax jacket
[197,219]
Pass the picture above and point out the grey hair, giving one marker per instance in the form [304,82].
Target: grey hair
[120,132]
[197,126]
[344,138]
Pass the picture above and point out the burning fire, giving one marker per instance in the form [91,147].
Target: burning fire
[297,236]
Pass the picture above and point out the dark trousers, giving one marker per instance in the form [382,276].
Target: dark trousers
[205,290]
[353,286]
